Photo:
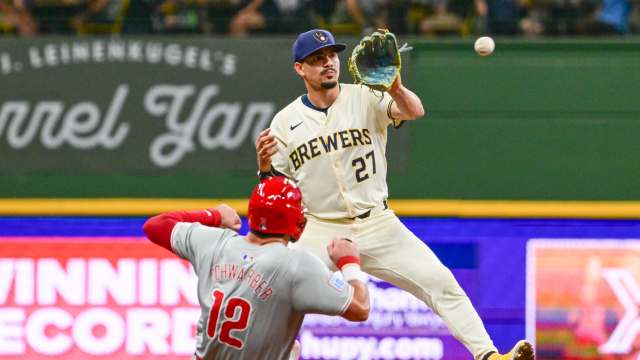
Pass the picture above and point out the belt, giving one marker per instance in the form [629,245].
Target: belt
[367,213]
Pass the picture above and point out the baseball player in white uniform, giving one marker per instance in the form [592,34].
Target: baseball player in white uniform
[254,291]
[332,142]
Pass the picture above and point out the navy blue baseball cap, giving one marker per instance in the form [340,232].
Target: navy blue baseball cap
[313,40]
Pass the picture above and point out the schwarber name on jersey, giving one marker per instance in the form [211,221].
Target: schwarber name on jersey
[253,298]
[340,148]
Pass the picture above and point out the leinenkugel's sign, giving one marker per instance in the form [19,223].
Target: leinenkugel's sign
[137,103]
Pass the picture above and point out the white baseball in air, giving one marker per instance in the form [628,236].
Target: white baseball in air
[484,46]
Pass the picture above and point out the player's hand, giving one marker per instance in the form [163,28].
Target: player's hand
[266,147]
[340,247]
[229,218]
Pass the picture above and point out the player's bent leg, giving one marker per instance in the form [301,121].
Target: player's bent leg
[392,253]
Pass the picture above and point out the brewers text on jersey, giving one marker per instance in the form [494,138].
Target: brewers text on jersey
[312,148]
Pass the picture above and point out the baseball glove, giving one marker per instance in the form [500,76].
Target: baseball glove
[375,61]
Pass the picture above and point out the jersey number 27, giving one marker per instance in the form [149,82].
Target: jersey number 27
[360,164]
[228,323]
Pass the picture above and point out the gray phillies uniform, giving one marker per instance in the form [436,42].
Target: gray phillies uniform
[254,297]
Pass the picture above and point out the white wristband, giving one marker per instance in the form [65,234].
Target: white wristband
[352,272]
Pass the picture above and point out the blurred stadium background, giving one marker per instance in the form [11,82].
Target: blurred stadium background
[523,177]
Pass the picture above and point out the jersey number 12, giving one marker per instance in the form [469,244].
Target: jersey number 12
[228,324]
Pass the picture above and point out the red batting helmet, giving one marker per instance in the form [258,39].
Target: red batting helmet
[275,207]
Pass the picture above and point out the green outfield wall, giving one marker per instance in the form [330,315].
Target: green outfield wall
[176,117]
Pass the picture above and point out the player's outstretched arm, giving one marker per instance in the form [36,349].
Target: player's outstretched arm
[406,105]
[159,228]
[347,258]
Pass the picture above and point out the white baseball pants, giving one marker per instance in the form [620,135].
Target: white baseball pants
[389,251]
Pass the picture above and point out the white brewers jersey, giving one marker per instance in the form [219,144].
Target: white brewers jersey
[253,298]
[338,156]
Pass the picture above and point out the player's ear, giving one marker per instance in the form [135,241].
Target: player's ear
[297,66]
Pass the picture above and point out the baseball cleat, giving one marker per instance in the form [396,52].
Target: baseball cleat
[523,350]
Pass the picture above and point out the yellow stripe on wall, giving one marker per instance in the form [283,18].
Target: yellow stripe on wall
[446,208]
[120,207]
[519,209]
